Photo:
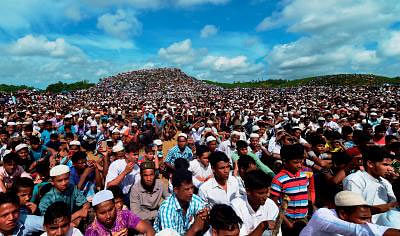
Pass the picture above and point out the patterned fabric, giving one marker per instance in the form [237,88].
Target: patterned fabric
[296,187]
[125,220]
[175,153]
[170,215]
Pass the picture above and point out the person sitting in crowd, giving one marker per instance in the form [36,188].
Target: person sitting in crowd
[9,171]
[224,221]
[200,167]
[181,150]
[57,221]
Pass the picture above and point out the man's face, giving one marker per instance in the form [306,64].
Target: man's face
[59,227]
[10,167]
[360,215]
[320,148]
[254,142]
[258,196]
[106,213]
[61,182]
[204,158]
[119,203]
[181,142]
[294,165]
[212,145]
[234,138]
[221,170]
[232,232]
[148,123]
[80,164]
[148,177]
[184,192]
[381,168]
[74,148]
[9,214]
[23,153]
[243,151]
[24,194]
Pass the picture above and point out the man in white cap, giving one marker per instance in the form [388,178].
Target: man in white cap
[351,216]
[229,146]
[93,136]
[181,150]
[109,221]
[63,191]
[211,143]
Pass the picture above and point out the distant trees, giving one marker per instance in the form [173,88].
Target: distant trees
[13,88]
[60,87]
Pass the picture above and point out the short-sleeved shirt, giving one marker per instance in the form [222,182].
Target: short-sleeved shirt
[175,153]
[89,185]
[71,196]
[116,168]
[260,165]
[213,193]
[294,186]
[170,215]
[124,220]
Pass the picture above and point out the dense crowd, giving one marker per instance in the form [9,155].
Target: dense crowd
[290,161]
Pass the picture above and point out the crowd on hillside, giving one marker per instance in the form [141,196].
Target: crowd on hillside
[294,161]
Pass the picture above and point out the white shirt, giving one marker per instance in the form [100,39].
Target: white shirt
[227,148]
[212,192]
[251,219]
[199,170]
[71,232]
[374,191]
[325,222]
[116,168]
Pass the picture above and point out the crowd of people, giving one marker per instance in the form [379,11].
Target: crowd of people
[289,161]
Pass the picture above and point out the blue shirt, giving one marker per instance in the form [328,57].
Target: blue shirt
[45,136]
[170,214]
[28,225]
[390,218]
[37,154]
[175,153]
[89,185]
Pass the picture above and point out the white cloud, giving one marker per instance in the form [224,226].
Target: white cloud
[391,46]
[208,31]
[221,63]
[30,45]
[179,53]
[199,2]
[121,25]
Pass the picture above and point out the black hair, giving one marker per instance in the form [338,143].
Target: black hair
[201,149]
[396,188]
[35,140]
[389,138]
[223,217]
[8,198]
[257,179]
[380,128]
[55,211]
[116,191]
[340,158]
[216,157]
[245,161]
[316,140]
[53,136]
[22,182]
[149,119]
[375,154]
[149,148]
[132,147]
[181,176]
[69,136]
[241,144]
[28,127]
[292,152]
[77,156]
[181,163]
[10,157]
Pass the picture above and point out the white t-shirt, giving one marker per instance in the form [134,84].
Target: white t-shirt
[199,170]
[116,168]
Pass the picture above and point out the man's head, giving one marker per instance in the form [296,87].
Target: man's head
[246,164]
[147,174]
[293,157]
[220,165]
[104,205]
[182,139]
[211,143]
[377,161]
[9,163]
[60,177]
[57,219]
[79,160]
[241,147]
[183,185]
[149,122]
[257,187]
[23,188]
[118,197]
[351,207]
[9,213]
[224,221]
[202,155]
[22,151]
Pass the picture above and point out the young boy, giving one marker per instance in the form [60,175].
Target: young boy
[292,181]
[57,221]
[9,171]
[200,167]
[23,188]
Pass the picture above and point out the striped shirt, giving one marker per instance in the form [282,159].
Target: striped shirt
[175,153]
[170,215]
[296,187]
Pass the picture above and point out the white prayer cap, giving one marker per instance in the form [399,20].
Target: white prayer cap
[296,127]
[40,122]
[97,115]
[183,135]
[321,119]
[59,170]
[80,119]
[373,114]
[392,109]
[11,123]
[75,142]
[20,147]
[349,198]
[210,122]
[373,109]
[68,116]
[254,135]
[102,196]
[235,133]
[255,128]
[210,139]
[207,130]
[116,131]
[93,124]
[118,148]
[157,142]
[134,124]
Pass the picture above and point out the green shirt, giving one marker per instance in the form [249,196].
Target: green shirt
[259,163]
[72,197]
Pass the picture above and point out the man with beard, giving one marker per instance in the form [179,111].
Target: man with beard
[110,221]
[147,194]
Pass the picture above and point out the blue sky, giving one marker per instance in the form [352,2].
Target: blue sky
[45,41]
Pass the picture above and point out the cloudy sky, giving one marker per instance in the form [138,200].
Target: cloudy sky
[45,41]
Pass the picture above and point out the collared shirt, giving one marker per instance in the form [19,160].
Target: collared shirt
[325,222]
[374,191]
[199,170]
[170,215]
[251,219]
[213,193]
[124,220]
[28,225]
[71,196]
[296,187]
[227,148]
[145,204]
[390,219]
[175,153]
[116,168]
